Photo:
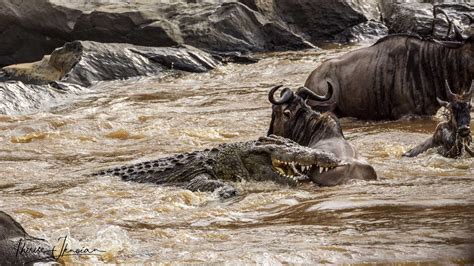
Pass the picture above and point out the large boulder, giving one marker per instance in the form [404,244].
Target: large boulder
[16,44]
[86,62]
[413,18]
[220,27]
[130,26]
[27,87]
[321,20]
[19,248]
[235,27]
[50,23]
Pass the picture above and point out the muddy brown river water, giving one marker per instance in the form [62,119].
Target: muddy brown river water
[420,210]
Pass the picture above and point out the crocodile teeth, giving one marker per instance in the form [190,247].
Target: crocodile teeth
[320,170]
[294,168]
[280,171]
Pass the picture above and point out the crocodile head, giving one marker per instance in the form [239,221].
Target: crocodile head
[285,161]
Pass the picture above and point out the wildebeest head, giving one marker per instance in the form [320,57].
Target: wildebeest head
[459,106]
[290,106]
[292,118]
[460,39]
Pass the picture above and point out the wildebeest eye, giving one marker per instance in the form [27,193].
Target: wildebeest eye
[287,113]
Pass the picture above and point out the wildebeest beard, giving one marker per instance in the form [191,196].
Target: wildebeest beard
[294,119]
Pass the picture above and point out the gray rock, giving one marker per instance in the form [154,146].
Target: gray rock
[51,23]
[369,31]
[86,62]
[413,18]
[235,27]
[17,97]
[321,20]
[16,45]
[19,248]
[29,87]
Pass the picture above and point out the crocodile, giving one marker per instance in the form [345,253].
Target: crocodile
[270,158]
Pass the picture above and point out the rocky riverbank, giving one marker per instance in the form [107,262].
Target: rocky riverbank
[79,64]
[86,62]
[52,45]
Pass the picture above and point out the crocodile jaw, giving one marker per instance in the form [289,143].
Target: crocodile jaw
[298,171]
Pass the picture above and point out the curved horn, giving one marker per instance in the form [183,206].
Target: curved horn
[457,32]
[471,19]
[306,93]
[450,22]
[451,96]
[287,95]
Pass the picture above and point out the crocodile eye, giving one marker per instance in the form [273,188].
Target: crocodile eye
[287,113]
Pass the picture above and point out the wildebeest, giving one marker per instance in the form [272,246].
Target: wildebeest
[399,75]
[452,136]
[292,118]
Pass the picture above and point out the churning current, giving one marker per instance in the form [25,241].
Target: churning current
[420,210]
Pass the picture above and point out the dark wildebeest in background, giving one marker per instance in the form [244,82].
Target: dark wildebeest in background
[397,76]
[452,136]
[19,248]
[292,118]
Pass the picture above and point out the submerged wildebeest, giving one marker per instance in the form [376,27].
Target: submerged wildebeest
[19,248]
[399,75]
[292,118]
[452,136]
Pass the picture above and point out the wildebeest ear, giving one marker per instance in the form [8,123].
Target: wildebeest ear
[442,103]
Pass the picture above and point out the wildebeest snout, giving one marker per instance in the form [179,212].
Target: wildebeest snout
[464,131]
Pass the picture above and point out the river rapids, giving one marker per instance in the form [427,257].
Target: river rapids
[420,210]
